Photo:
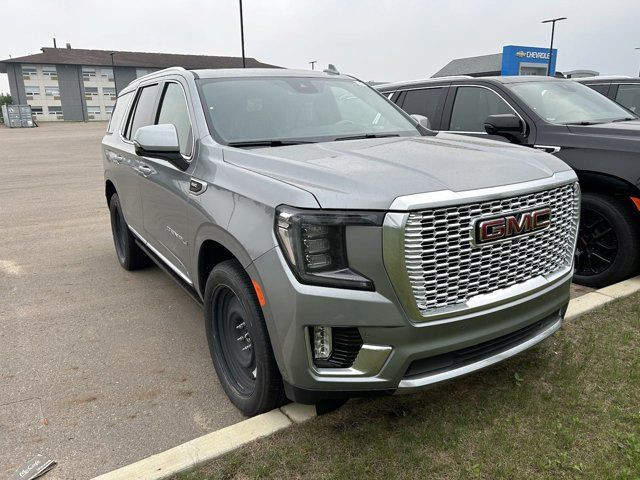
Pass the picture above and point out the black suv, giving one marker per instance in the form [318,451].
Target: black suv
[624,90]
[593,134]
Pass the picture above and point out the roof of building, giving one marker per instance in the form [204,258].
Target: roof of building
[483,64]
[79,56]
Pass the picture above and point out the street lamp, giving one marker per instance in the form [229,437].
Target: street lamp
[113,70]
[313,64]
[242,36]
[553,28]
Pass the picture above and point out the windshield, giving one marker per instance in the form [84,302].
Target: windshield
[568,102]
[285,110]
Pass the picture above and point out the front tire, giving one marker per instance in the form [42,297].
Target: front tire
[239,342]
[608,248]
[129,254]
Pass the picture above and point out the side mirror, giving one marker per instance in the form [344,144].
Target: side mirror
[506,125]
[422,120]
[159,141]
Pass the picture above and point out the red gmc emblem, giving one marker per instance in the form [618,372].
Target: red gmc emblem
[512,225]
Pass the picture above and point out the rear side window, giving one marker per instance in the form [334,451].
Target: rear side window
[602,88]
[118,112]
[174,110]
[472,106]
[629,96]
[143,114]
[423,102]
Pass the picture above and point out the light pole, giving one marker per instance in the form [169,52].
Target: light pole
[313,64]
[242,36]
[553,28]
[638,48]
[113,70]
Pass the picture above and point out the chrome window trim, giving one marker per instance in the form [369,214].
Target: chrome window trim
[161,257]
[407,385]
[524,124]
[186,103]
[394,249]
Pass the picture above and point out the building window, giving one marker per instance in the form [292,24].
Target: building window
[50,71]
[28,71]
[110,92]
[93,111]
[52,92]
[88,73]
[57,111]
[90,93]
[108,74]
[36,110]
[108,109]
[31,91]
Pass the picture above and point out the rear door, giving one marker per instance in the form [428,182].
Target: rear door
[165,187]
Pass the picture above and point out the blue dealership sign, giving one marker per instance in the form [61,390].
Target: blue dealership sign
[519,60]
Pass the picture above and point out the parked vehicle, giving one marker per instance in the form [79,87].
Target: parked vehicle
[623,90]
[594,135]
[338,247]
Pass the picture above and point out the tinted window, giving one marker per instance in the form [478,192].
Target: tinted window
[118,112]
[472,106]
[629,96]
[173,109]
[602,88]
[423,102]
[143,114]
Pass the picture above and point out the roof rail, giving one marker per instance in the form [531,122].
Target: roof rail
[603,77]
[163,71]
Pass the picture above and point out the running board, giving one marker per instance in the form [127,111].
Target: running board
[188,288]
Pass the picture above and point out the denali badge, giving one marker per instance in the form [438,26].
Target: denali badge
[512,225]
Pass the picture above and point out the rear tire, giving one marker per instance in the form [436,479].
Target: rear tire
[239,342]
[129,254]
[608,248]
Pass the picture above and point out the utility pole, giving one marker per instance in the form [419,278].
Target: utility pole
[113,70]
[313,64]
[638,48]
[553,28]
[244,65]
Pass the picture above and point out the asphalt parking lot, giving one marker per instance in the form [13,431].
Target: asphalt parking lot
[99,367]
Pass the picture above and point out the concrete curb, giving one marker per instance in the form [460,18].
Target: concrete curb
[213,445]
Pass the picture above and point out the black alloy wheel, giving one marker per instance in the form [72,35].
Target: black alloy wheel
[597,245]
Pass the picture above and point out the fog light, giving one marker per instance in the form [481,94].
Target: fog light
[321,342]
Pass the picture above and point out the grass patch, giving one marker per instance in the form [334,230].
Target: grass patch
[568,408]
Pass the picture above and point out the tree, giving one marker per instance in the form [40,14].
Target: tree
[5,98]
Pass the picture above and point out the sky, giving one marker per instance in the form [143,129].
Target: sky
[381,40]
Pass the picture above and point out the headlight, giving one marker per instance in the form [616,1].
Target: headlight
[314,244]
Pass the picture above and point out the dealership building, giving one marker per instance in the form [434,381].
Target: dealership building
[514,60]
[82,85]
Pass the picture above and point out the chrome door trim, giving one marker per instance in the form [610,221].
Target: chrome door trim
[161,257]
[408,385]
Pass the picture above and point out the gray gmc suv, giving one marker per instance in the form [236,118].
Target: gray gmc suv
[338,247]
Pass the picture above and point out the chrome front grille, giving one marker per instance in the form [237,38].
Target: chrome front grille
[446,268]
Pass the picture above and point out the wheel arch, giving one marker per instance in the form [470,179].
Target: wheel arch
[609,185]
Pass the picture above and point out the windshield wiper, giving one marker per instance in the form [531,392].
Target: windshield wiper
[267,143]
[366,135]
[625,119]
[584,122]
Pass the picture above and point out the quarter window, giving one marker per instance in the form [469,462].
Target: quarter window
[472,106]
[143,114]
[118,112]
[173,110]
[602,88]
[423,102]
[629,96]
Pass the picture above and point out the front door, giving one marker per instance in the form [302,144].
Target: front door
[165,187]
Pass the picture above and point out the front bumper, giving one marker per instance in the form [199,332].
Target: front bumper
[392,342]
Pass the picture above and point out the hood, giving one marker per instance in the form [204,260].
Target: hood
[371,173]
[630,129]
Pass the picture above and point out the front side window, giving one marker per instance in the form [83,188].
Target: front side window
[423,102]
[143,114]
[174,110]
[568,103]
[298,109]
[472,106]
[629,96]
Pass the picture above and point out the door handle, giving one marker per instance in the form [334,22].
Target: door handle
[145,170]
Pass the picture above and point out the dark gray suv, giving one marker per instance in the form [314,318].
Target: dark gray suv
[337,246]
